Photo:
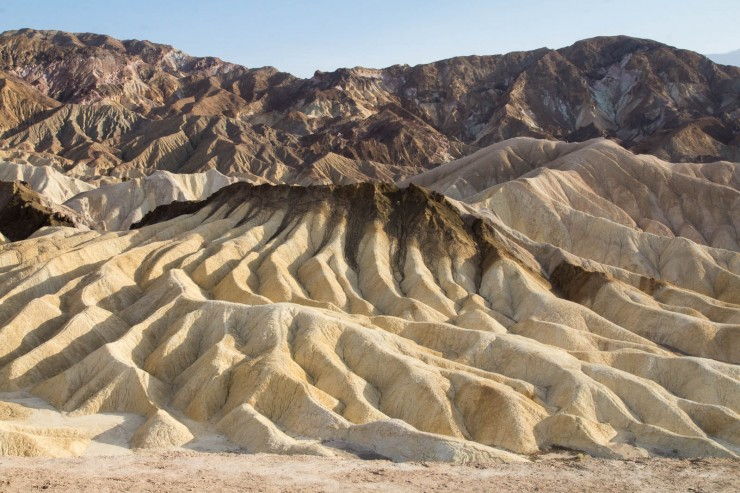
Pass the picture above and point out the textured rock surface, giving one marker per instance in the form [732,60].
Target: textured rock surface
[45,180]
[117,206]
[23,212]
[569,295]
[376,320]
[110,107]
[161,431]
[595,183]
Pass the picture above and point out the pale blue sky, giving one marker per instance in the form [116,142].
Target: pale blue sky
[302,36]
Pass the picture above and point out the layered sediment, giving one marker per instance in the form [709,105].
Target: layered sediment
[371,319]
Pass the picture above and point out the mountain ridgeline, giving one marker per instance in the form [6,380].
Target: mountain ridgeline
[98,106]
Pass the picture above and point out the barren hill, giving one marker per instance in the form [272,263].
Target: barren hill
[120,108]
[370,319]
[601,183]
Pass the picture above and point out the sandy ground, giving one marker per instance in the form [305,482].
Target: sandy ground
[195,471]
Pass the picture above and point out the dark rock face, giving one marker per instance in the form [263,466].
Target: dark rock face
[134,106]
[23,212]
[410,214]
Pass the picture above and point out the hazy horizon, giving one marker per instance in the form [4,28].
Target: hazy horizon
[302,37]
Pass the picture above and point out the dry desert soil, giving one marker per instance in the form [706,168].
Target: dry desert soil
[195,471]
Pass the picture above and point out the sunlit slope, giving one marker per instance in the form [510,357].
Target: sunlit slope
[303,319]
[116,206]
[599,179]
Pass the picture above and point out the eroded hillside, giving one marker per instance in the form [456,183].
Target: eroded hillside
[373,319]
[102,106]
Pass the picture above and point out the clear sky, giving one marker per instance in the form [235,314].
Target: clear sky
[302,36]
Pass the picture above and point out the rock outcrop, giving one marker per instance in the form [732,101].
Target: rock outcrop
[23,212]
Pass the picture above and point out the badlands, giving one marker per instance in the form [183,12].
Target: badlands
[395,321]
[198,258]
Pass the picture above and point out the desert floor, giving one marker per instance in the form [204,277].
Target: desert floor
[194,471]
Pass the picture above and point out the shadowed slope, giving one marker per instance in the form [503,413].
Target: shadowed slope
[23,211]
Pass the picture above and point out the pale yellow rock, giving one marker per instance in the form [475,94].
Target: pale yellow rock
[117,206]
[253,431]
[377,321]
[12,411]
[52,184]
[161,430]
[31,441]
[528,181]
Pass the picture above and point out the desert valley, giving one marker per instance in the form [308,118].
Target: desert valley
[519,260]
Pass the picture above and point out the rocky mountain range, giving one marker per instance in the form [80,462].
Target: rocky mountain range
[100,106]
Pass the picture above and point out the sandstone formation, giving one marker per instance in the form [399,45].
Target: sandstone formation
[44,179]
[106,107]
[113,206]
[377,320]
[161,431]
